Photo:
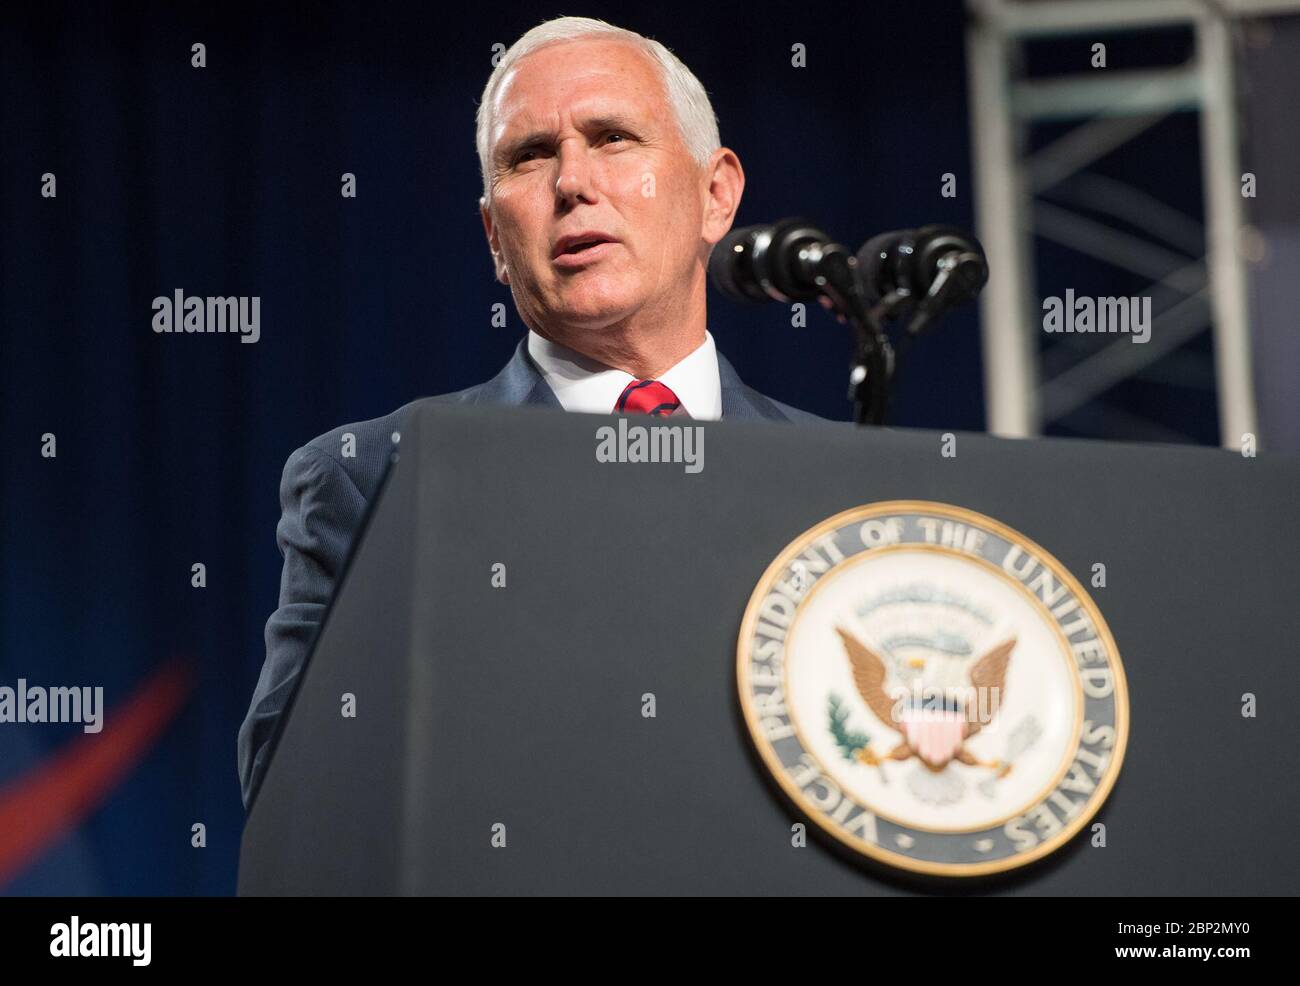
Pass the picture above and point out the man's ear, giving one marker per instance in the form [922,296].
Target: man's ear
[725,185]
[498,261]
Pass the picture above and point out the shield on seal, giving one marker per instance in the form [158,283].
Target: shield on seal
[935,734]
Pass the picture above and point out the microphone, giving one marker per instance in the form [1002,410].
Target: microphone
[924,272]
[938,267]
[790,260]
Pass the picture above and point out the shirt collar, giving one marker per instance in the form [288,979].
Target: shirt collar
[582,384]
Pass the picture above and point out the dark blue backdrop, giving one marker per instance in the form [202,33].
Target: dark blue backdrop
[225,181]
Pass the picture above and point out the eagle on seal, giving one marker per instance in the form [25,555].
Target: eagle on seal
[934,736]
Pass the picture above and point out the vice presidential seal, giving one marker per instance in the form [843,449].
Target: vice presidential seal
[932,688]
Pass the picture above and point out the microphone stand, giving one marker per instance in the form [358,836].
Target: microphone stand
[872,368]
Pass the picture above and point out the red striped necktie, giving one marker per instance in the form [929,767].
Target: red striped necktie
[649,397]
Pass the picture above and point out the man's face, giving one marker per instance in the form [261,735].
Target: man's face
[585,141]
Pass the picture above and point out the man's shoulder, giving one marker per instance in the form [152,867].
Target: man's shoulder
[771,408]
[800,416]
[362,449]
[740,400]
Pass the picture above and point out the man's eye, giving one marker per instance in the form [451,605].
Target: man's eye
[525,154]
[620,136]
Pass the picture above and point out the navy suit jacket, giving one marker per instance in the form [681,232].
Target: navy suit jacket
[323,499]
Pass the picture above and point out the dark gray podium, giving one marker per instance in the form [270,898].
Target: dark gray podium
[520,705]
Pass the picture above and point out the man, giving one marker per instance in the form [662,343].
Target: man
[604,190]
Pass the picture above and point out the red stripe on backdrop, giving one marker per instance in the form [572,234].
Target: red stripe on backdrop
[52,798]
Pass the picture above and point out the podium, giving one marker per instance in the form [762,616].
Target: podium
[526,683]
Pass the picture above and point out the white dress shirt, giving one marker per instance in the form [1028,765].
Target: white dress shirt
[582,384]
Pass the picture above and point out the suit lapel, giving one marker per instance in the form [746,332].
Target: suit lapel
[740,402]
[519,382]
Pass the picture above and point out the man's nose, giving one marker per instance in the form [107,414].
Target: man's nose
[576,180]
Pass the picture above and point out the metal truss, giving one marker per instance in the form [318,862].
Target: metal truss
[1196,271]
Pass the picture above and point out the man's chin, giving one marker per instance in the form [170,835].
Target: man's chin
[593,315]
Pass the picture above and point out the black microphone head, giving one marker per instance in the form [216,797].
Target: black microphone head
[933,244]
[777,260]
[880,264]
[907,260]
[731,265]
[763,263]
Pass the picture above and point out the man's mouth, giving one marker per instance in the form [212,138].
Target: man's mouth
[580,246]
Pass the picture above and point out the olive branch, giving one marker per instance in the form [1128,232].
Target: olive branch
[849,741]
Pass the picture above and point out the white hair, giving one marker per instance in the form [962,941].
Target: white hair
[690,103]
